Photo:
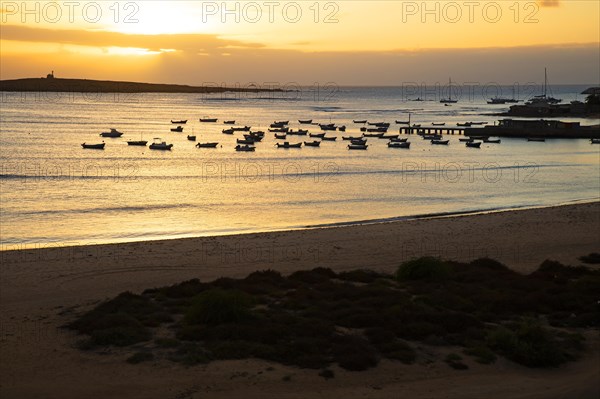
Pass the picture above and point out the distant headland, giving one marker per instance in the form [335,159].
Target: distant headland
[53,84]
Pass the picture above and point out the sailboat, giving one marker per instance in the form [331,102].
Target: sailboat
[503,100]
[543,99]
[449,100]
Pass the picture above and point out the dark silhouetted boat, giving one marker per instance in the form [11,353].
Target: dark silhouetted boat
[358,141]
[473,144]
[229,122]
[299,132]
[93,146]
[438,124]
[177,129]
[245,141]
[315,143]
[491,141]
[399,140]
[245,148]
[317,135]
[207,145]
[358,146]
[280,130]
[113,133]
[540,139]
[191,138]
[280,136]
[158,144]
[228,131]
[140,143]
[449,100]
[394,144]
[253,137]
[241,129]
[389,136]
[466,139]
[208,120]
[466,124]
[181,122]
[373,134]
[359,121]
[440,142]
[305,121]
[288,145]
[329,138]
[348,138]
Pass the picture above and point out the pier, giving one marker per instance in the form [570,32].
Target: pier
[432,130]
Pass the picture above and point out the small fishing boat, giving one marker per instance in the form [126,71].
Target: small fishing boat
[317,135]
[140,143]
[432,137]
[282,122]
[473,144]
[280,136]
[348,138]
[373,134]
[359,121]
[540,139]
[342,128]
[245,141]
[399,140]
[440,142]
[254,137]
[208,120]
[359,142]
[305,121]
[403,122]
[379,124]
[389,136]
[315,143]
[466,124]
[113,133]
[358,146]
[93,146]
[328,127]
[393,144]
[245,148]
[438,124]
[227,131]
[241,129]
[329,138]
[299,132]
[478,123]
[288,145]
[466,139]
[276,125]
[181,122]
[280,130]
[491,141]
[449,100]
[158,144]
[229,122]
[191,138]
[207,145]
[416,126]
[594,141]
[177,129]
[377,130]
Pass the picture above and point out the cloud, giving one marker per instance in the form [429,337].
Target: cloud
[549,3]
[183,42]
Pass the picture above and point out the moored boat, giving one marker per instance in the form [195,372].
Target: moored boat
[299,132]
[491,141]
[227,131]
[141,143]
[208,120]
[229,122]
[315,143]
[399,140]
[245,148]
[113,133]
[288,145]
[540,139]
[473,144]
[329,138]
[158,144]
[305,121]
[181,122]
[207,145]
[394,144]
[245,141]
[99,146]
[360,121]
[317,135]
[191,138]
[280,136]
[440,142]
[177,129]
[438,124]
[358,146]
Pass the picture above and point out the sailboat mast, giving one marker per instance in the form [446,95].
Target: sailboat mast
[545,82]
[450,88]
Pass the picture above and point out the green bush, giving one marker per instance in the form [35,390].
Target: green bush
[482,354]
[426,268]
[218,306]
[528,343]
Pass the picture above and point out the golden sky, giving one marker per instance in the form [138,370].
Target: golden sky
[357,42]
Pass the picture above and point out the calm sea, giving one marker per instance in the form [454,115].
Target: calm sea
[53,191]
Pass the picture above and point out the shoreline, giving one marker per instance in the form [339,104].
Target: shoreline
[37,246]
[42,290]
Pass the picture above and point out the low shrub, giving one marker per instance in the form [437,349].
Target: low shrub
[425,268]
[217,306]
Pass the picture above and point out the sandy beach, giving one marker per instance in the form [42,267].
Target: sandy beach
[39,288]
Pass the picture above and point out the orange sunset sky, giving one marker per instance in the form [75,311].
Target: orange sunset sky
[347,42]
